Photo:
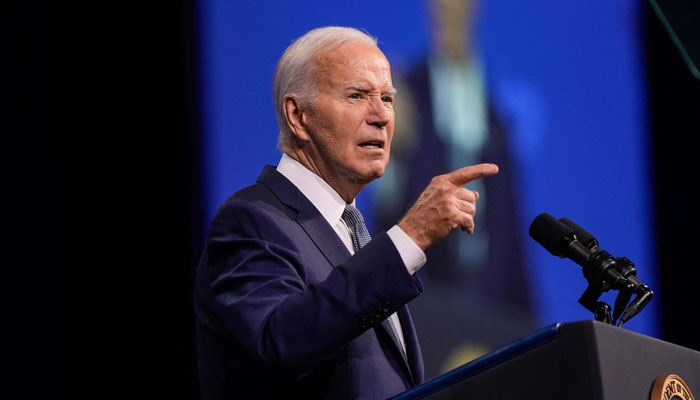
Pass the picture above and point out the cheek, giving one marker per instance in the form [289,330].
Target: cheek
[389,134]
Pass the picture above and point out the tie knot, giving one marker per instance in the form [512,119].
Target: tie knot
[356,224]
[352,216]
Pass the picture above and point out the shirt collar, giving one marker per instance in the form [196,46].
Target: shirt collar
[326,200]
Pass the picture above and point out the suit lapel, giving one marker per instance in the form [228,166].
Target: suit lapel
[413,352]
[310,219]
[397,348]
[322,234]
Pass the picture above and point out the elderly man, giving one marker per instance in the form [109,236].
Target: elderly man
[292,298]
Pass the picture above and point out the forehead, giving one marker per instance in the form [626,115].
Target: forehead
[353,63]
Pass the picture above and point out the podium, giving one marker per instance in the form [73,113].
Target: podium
[586,360]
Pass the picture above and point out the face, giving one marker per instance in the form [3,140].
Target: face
[350,122]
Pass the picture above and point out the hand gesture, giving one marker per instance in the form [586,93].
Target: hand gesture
[444,205]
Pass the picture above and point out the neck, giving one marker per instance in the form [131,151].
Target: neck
[347,189]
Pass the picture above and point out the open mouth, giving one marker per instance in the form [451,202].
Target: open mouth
[372,144]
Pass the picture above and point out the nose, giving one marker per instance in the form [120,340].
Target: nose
[380,113]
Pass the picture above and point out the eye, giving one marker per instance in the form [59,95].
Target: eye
[388,99]
[355,96]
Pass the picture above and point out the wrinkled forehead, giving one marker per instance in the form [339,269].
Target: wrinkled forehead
[352,61]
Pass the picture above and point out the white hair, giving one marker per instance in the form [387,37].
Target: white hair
[295,69]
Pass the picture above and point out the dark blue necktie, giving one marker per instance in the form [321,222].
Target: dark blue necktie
[353,219]
[360,237]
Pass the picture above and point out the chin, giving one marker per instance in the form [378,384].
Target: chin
[374,174]
[367,176]
[368,171]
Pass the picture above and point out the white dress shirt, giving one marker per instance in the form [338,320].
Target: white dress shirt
[331,206]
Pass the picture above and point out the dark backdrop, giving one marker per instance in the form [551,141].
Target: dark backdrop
[675,122]
[103,139]
[103,163]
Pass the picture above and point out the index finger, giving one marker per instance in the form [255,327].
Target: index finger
[465,175]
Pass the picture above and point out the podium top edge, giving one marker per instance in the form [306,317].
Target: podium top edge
[506,352]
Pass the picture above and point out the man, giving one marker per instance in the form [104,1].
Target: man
[291,297]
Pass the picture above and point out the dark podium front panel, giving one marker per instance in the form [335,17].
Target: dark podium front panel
[585,360]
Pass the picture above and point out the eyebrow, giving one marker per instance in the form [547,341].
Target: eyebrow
[363,89]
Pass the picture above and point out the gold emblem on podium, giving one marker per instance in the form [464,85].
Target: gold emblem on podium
[670,387]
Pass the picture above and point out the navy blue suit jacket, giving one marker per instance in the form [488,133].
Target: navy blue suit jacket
[284,311]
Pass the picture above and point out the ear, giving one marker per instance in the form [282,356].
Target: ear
[294,113]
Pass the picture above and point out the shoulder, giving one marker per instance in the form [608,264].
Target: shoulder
[252,207]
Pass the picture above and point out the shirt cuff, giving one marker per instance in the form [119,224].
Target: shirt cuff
[411,255]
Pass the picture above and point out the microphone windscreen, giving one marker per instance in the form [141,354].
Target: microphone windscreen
[582,235]
[551,233]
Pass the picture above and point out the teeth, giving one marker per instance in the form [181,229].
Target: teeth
[370,144]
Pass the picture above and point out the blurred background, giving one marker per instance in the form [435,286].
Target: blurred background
[129,124]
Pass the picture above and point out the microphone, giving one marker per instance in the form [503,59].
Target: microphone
[562,241]
[583,235]
[565,239]
[559,239]
[628,271]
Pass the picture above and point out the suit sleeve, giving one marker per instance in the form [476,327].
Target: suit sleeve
[258,279]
